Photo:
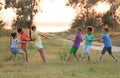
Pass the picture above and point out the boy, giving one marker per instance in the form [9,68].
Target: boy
[14,48]
[38,43]
[24,37]
[88,37]
[77,41]
[107,44]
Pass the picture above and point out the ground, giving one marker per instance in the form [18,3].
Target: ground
[56,51]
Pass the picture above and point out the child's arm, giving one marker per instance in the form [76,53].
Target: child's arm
[28,39]
[10,41]
[32,39]
[72,39]
[23,41]
[97,39]
[43,36]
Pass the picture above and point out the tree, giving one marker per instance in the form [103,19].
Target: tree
[26,9]
[86,15]
[1,24]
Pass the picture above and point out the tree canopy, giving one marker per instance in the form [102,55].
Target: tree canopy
[25,11]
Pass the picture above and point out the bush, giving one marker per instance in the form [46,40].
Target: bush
[4,32]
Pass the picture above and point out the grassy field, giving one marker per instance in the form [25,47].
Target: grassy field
[56,51]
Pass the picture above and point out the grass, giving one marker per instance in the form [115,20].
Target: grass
[55,52]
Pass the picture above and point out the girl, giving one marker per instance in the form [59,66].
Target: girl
[14,48]
[38,43]
[88,37]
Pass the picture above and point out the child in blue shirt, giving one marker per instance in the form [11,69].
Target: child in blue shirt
[107,44]
[88,37]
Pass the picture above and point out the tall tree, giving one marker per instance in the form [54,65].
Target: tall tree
[25,11]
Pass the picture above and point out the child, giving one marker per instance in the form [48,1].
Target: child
[88,37]
[77,41]
[24,37]
[14,48]
[38,43]
[107,44]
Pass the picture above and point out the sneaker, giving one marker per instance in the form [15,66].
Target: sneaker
[25,62]
[12,62]
[98,60]
[64,62]
[116,60]
[46,62]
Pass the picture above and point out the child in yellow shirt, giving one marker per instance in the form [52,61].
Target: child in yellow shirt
[36,37]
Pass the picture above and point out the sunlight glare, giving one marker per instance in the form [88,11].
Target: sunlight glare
[54,11]
[7,16]
[102,7]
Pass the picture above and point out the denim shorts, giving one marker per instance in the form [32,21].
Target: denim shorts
[109,49]
[14,51]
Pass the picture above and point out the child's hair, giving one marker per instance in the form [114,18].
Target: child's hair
[13,35]
[19,30]
[33,27]
[90,28]
[79,29]
[106,29]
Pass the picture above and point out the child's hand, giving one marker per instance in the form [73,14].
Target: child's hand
[69,39]
[91,40]
[46,38]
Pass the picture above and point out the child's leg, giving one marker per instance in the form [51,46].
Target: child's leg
[102,53]
[14,56]
[24,55]
[76,56]
[67,57]
[83,53]
[88,52]
[24,48]
[100,57]
[42,54]
[110,53]
[13,59]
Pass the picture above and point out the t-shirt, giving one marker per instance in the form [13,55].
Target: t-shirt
[37,37]
[88,37]
[14,43]
[106,40]
[22,38]
[77,41]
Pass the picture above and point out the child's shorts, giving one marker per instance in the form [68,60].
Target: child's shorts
[73,50]
[39,46]
[14,51]
[24,48]
[109,49]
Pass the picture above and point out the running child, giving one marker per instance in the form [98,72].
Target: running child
[14,48]
[77,41]
[107,44]
[36,37]
[24,37]
[88,37]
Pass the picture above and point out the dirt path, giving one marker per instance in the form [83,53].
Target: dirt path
[96,45]
[99,46]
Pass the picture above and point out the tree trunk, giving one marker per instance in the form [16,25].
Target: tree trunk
[31,17]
